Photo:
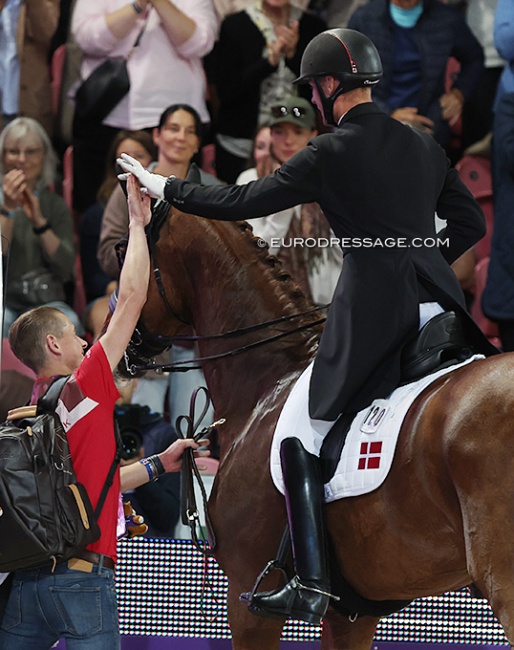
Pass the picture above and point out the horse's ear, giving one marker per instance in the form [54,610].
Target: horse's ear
[193,175]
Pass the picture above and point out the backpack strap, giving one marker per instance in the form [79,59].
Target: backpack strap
[112,471]
[48,403]
[22,412]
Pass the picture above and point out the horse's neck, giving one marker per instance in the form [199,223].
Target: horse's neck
[235,285]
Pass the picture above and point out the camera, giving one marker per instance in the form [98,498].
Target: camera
[131,419]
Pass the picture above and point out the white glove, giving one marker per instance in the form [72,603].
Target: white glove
[152,183]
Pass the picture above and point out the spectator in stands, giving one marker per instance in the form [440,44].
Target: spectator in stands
[254,62]
[226,7]
[415,40]
[504,42]
[98,284]
[36,225]
[26,30]
[498,296]
[259,162]
[339,13]
[315,267]
[177,137]
[177,34]
[477,117]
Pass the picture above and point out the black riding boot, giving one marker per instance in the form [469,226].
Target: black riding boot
[306,596]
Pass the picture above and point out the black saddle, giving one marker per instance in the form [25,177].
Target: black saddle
[442,342]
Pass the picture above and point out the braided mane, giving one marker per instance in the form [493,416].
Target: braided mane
[281,280]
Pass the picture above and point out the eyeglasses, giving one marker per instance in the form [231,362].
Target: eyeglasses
[283,111]
[28,153]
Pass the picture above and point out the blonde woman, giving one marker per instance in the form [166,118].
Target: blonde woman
[36,225]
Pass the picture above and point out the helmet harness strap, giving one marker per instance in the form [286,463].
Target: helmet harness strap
[328,102]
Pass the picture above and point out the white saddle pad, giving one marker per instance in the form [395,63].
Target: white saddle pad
[369,448]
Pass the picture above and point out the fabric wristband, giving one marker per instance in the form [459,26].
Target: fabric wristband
[154,467]
[8,213]
[149,468]
[41,229]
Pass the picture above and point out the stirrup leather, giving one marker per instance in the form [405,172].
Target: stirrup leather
[273,565]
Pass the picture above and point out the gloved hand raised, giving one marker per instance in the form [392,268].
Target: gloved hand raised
[152,183]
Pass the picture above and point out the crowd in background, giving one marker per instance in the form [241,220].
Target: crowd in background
[211,83]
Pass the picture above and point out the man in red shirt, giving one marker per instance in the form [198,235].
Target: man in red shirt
[77,599]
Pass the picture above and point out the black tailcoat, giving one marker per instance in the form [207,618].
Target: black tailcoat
[379,184]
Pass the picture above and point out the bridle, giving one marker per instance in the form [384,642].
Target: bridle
[144,346]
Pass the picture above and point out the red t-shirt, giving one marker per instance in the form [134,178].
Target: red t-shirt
[86,409]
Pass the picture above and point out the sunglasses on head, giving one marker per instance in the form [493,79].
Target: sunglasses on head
[283,111]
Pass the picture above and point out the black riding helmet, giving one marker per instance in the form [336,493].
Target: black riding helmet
[344,54]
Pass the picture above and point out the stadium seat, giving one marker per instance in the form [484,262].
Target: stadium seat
[208,157]
[475,173]
[10,362]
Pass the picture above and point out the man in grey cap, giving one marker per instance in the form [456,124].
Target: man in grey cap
[315,268]
[292,124]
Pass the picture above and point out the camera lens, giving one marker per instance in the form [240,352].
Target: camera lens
[132,442]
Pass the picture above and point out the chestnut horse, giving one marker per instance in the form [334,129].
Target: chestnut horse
[444,517]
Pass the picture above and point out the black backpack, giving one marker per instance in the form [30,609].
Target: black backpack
[45,514]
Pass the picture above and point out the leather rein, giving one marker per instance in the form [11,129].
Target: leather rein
[144,345]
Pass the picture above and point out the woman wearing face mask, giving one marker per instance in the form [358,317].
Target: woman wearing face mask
[415,39]
[300,237]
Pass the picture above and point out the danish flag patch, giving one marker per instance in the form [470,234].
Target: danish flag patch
[370,455]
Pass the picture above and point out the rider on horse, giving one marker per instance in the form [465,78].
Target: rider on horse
[379,183]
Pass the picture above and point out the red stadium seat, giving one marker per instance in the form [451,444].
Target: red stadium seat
[10,362]
[209,465]
[475,173]
[208,156]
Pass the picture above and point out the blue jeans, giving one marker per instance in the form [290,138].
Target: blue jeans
[44,607]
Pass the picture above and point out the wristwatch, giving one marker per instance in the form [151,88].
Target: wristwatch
[41,229]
